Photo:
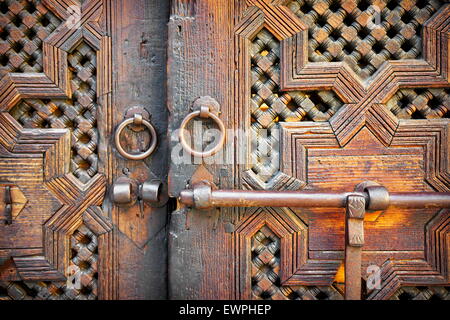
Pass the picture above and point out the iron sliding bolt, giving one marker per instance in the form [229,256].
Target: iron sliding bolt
[203,196]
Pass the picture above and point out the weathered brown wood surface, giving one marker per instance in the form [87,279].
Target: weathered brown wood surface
[324,95]
[69,71]
[200,35]
[139,61]
[345,100]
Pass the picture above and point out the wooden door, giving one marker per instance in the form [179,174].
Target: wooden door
[69,71]
[316,95]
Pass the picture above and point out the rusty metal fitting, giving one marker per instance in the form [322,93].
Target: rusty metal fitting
[202,195]
[137,120]
[150,191]
[378,198]
[122,191]
[204,112]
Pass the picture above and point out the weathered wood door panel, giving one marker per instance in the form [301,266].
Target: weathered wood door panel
[316,95]
[69,70]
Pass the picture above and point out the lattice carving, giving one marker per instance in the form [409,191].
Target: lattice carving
[421,103]
[270,105]
[24,24]
[361,34]
[332,45]
[422,293]
[84,255]
[79,113]
[266,282]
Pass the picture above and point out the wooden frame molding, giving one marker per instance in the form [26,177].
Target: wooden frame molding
[431,136]
[260,14]
[431,271]
[296,268]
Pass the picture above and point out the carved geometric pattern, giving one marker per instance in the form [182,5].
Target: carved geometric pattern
[266,282]
[433,270]
[62,99]
[422,293]
[321,52]
[78,113]
[301,139]
[277,241]
[18,202]
[84,255]
[298,138]
[24,24]
[269,105]
[354,31]
[365,99]
[421,103]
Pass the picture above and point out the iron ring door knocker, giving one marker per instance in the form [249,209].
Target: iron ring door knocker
[136,120]
[204,113]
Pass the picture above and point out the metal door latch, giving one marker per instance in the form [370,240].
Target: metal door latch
[206,108]
[7,211]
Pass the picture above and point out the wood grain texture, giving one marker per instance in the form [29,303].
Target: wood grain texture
[200,63]
[137,75]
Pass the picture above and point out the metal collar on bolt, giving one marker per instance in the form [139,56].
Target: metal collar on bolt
[137,120]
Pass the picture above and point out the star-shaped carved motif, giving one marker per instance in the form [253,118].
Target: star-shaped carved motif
[420,145]
[57,200]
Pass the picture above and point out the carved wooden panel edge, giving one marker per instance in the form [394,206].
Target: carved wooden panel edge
[83,199]
[362,96]
[84,257]
[433,137]
[429,272]
[293,268]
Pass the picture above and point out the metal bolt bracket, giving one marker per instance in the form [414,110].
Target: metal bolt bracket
[154,193]
[122,191]
[378,196]
[126,191]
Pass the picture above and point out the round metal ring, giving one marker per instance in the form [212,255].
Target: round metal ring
[204,114]
[137,120]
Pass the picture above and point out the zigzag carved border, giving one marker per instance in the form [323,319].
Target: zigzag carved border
[434,270]
[361,97]
[364,107]
[432,136]
[296,267]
